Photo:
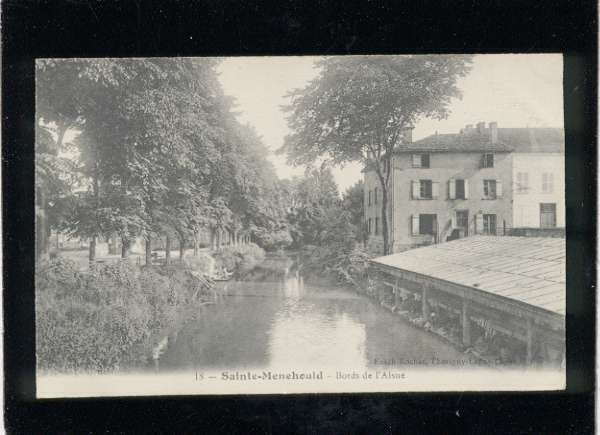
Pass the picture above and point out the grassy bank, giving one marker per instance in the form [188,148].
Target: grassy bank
[106,319]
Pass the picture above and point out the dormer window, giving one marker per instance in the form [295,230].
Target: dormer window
[487,160]
[420,160]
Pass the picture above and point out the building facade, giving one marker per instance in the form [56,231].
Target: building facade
[483,180]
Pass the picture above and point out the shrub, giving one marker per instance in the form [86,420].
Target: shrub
[343,264]
[89,322]
[104,320]
[201,263]
[272,241]
[241,258]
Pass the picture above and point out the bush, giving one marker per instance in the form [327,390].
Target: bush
[201,263]
[241,258]
[88,322]
[272,241]
[345,265]
[104,320]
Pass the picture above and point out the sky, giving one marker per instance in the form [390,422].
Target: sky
[515,90]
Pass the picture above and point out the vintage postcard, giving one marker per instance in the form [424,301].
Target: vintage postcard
[252,225]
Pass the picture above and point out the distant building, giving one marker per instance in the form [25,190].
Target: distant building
[478,181]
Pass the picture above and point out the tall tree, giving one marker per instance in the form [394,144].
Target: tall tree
[353,202]
[358,109]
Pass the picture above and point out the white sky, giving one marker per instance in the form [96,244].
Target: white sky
[514,90]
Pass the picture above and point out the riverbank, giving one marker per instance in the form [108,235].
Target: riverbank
[111,316]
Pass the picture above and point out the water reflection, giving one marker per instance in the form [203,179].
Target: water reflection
[273,319]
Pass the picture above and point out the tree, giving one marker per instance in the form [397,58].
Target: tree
[147,131]
[315,196]
[353,202]
[359,108]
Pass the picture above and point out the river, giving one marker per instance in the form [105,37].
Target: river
[274,319]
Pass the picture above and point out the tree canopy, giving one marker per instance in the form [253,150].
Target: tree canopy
[359,108]
[158,151]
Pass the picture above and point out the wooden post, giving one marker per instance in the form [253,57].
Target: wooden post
[529,356]
[466,323]
[424,305]
[396,295]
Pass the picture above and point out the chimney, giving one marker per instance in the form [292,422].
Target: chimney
[480,127]
[468,128]
[407,134]
[493,132]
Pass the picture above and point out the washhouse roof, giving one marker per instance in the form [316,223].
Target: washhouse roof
[529,270]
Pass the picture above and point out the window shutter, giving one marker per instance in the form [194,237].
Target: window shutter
[416,189]
[453,220]
[416,160]
[435,190]
[479,223]
[498,189]
[415,225]
[452,188]
[466,189]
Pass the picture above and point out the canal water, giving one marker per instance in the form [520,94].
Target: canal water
[274,319]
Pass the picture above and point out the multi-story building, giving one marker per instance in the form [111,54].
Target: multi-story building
[478,181]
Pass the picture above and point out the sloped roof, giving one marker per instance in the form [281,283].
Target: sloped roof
[530,270]
[521,140]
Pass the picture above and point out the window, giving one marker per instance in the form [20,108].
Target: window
[547,182]
[369,197]
[424,224]
[376,225]
[492,189]
[547,215]
[425,191]
[375,195]
[489,224]
[522,182]
[420,160]
[369,226]
[487,160]
[462,219]
[458,189]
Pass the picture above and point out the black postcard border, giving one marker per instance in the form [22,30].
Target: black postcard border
[87,28]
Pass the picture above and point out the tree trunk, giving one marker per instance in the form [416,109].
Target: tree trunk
[148,251]
[92,251]
[384,219]
[168,250]
[125,245]
[196,247]
[213,238]
[61,131]
[96,185]
[181,249]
